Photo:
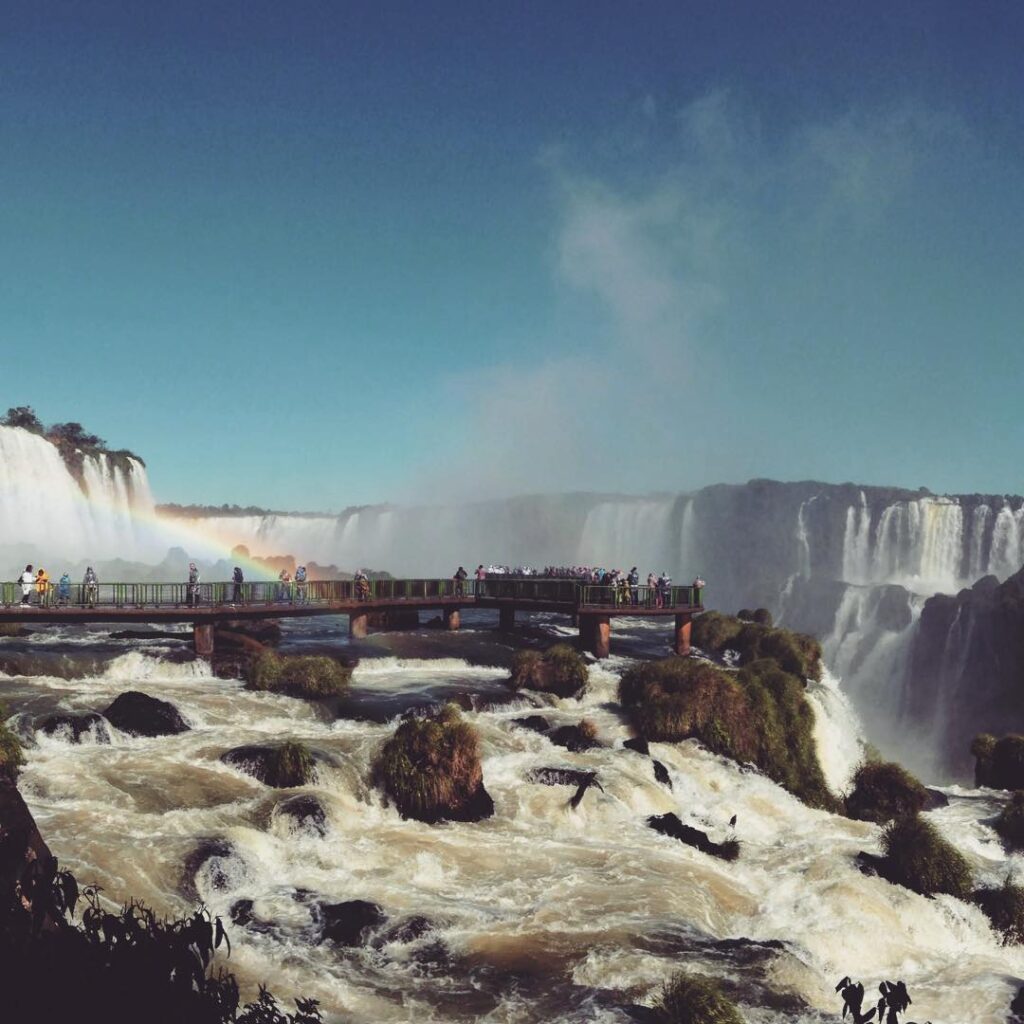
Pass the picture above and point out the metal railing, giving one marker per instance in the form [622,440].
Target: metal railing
[327,592]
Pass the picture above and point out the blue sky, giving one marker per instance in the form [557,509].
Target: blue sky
[310,255]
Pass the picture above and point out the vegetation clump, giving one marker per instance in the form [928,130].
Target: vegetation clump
[560,670]
[430,768]
[694,999]
[284,767]
[916,856]
[298,675]
[11,756]
[1010,823]
[1004,907]
[758,715]
[752,640]
[883,790]
[999,764]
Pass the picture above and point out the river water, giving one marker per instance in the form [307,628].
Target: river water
[539,914]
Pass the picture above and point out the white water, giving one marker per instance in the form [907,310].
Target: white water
[558,898]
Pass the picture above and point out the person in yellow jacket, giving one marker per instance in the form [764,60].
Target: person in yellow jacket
[43,588]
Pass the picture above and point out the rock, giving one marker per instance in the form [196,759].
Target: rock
[574,737]
[870,864]
[25,859]
[1017,1005]
[211,860]
[305,812]
[661,774]
[480,805]
[409,930]
[560,776]
[141,715]
[347,923]
[535,723]
[670,825]
[936,799]
[639,744]
[241,914]
[284,766]
[73,727]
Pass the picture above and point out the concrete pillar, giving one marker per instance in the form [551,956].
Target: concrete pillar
[451,619]
[202,638]
[358,624]
[681,639]
[507,619]
[596,634]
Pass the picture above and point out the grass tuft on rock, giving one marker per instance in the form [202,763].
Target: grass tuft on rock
[290,765]
[560,670]
[883,790]
[11,755]
[755,639]
[694,999]
[1004,907]
[298,675]
[1010,823]
[999,763]
[916,856]
[431,769]
[759,714]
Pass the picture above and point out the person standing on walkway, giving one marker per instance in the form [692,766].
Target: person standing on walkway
[300,584]
[64,590]
[634,583]
[192,590]
[28,582]
[698,588]
[43,588]
[460,581]
[90,587]
[237,579]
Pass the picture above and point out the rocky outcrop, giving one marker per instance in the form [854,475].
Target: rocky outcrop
[348,923]
[283,766]
[670,825]
[73,727]
[25,859]
[141,715]
[304,813]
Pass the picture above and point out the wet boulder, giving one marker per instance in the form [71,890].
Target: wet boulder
[72,728]
[535,723]
[242,914]
[412,929]
[670,825]
[560,670]
[661,774]
[348,923]
[575,738]
[141,715]
[304,813]
[284,766]
[211,864]
[560,776]
[639,744]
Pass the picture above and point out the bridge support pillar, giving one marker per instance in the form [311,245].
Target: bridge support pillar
[507,619]
[202,638]
[596,634]
[358,624]
[681,637]
[451,619]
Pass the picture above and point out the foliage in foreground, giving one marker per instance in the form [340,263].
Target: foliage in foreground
[796,653]
[298,675]
[894,1000]
[289,765]
[560,670]
[883,790]
[430,768]
[916,856]
[11,756]
[694,999]
[1004,907]
[758,715]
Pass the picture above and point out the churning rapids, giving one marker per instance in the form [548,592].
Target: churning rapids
[541,913]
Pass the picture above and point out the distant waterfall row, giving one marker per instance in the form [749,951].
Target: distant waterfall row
[44,511]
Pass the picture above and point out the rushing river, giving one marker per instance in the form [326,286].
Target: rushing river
[541,913]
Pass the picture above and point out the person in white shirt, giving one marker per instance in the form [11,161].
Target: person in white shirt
[28,582]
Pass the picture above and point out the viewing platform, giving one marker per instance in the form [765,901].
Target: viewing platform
[592,607]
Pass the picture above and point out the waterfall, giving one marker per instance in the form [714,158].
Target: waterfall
[856,542]
[621,534]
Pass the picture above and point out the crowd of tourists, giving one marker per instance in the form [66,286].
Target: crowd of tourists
[39,588]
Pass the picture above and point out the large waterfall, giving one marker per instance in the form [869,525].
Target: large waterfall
[46,512]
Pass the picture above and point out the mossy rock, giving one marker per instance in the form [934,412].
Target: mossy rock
[11,755]
[560,670]
[298,675]
[999,763]
[431,769]
[713,631]
[755,639]
[1004,907]
[575,738]
[916,856]
[694,999]
[758,715]
[1010,823]
[283,767]
[883,790]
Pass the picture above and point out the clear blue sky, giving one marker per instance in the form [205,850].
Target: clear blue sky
[313,254]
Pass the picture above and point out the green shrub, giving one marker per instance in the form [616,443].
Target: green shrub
[713,631]
[289,765]
[298,675]
[694,999]
[752,640]
[999,763]
[430,768]
[11,756]
[758,715]
[763,617]
[560,670]
[745,615]
[883,790]
[1004,907]
[919,858]
[1010,823]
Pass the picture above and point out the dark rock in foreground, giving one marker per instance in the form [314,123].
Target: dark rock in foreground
[73,727]
[209,857]
[141,715]
[410,930]
[575,737]
[283,767]
[305,813]
[347,923]
[670,825]
[639,744]
[560,776]
[535,723]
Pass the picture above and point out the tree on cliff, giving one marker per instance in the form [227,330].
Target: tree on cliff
[23,416]
[74,435]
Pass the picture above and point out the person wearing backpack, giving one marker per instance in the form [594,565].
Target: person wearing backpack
[237,580]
